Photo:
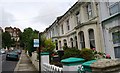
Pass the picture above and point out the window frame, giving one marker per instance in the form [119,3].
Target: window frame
[110,6]
[116,32]
[72,43]
[68,25]
[62,29]
[82,39]
[77,15]
[115,45]
[89,11]
[93,37]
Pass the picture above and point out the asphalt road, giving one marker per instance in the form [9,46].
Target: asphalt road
[7,65]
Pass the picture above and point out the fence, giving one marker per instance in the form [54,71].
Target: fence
[51,68]
[78,65]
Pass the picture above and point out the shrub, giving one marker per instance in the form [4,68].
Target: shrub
[49,45]
[87,54]
[71,52]
[65,47]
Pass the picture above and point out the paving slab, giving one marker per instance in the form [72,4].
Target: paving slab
[25,63]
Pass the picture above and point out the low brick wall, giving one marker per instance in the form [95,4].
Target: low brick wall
[34,60]
[106,66]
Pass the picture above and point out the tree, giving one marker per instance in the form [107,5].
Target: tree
[13,42]
[27,38]
[6,39]
[21,40]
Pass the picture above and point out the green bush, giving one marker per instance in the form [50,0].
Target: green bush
[65,47]
[49,45]
[71,52]
[87,54]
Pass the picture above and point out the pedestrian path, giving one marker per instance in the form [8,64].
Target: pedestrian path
[25,63]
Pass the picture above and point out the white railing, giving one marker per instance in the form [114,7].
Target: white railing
[51,68]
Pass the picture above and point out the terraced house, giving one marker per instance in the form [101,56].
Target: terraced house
[79,27]
[110,22]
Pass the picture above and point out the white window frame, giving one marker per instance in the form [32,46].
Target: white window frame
[90,40]
[82,39]
[53,32]
[62,29]
[117,44]
[89,10]
[68,25]
[77,14]
[111,5]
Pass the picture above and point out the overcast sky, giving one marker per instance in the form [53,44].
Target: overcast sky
[37,14]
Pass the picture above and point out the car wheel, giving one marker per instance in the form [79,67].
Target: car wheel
[7,59]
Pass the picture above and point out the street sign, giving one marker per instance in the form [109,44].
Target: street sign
[36,43]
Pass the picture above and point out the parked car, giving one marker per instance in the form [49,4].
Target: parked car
[2,51]
[17,51]
[12,56]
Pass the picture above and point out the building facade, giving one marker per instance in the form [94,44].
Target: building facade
[110,22]
[78,27]
[14,32]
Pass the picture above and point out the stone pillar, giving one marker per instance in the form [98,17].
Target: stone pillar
[44,59]
[71,64]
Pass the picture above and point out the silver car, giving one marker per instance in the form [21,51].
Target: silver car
[2,51]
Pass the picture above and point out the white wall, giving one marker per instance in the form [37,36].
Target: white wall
[106,27]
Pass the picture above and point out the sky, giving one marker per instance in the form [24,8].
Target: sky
[37,14]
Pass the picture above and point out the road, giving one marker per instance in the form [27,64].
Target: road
[7,65]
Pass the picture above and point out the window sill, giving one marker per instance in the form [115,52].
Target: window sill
[86,23]
[110,17]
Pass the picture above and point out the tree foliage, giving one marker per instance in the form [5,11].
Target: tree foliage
[87,54]
[6,39]
[27,38]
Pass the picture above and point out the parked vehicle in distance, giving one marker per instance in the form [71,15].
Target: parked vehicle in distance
[12,56]
[2,51]
[17,51]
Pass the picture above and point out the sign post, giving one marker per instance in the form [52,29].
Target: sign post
[36,43]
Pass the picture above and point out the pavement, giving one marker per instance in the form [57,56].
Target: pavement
[25,64]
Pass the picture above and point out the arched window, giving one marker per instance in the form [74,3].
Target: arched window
[71,39]
[76,42]
[65,42]
[82,40]
[56,43]
[91,38]
[60,46]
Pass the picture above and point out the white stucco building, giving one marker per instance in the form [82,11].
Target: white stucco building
[79,27]
[110,22]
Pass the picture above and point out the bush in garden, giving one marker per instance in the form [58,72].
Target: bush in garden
[65,47]
[49,45]
[71,52]
[87,54]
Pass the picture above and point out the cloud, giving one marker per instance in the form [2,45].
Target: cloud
[37,14]
[49,1]
[51,12]
[6,18]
